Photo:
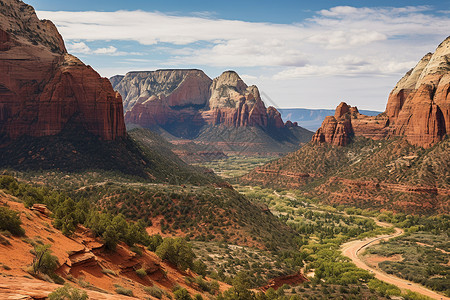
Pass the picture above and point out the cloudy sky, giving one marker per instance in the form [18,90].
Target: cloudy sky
[310,54]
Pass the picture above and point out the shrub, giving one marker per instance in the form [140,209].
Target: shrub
[44,262]
[141,272]
[123,291]
[154,291]
[10,221]
[67,292]
[199,267]
[182,294]
[177,251]
[154,242]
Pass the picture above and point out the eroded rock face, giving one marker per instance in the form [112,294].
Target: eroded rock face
[418,107]
[424,115]
[171,96]
[178,88]
[42,88]
[336,130]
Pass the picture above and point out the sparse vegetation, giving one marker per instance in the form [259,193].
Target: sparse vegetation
[154,291]
[67,292]
[141,272]
[123,291]
[424,259]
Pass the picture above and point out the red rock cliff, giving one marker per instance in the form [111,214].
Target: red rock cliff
[42,87]
[169,96]
[336,130]
[418,107]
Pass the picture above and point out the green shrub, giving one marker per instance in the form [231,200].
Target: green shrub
[67,292]
[10,221]
[44,262]
[182,294]
[154,242]
[141,272]
[154,291]
[123,291]
[177,251]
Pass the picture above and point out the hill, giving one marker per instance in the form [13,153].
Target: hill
[83,261]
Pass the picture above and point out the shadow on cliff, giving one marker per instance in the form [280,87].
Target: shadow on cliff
[74,149]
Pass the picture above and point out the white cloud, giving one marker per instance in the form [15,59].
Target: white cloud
[79,47]
[347,66]
[108,50]
[342,53]
[381,40]
[83,48]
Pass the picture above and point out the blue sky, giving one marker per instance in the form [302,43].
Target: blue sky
[310,54]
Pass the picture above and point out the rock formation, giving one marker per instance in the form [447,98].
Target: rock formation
[223,114]
[170,96]
[336,130]
[43,88]
[418,107]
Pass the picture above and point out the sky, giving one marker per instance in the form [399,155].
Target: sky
[309,54]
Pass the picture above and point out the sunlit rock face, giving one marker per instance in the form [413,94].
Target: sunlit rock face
[43,88]
[418,108]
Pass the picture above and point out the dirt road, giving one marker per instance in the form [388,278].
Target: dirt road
[354,248]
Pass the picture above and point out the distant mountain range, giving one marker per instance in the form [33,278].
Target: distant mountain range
[311,119]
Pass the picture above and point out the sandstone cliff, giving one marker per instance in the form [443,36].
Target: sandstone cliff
[418,108]
[43,88]
[222,114]
[336,130]
[164,96]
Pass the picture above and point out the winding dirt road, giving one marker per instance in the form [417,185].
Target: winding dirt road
[354,248]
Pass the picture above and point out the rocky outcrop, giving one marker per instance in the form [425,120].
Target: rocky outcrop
[418,107]
[223,114]
[174,88]
[336,130]
[233,103]
[423,99]
[165,97]
[43,88]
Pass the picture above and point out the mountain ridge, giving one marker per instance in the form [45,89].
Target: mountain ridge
[187,104]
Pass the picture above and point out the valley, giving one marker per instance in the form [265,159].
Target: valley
[171,184]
